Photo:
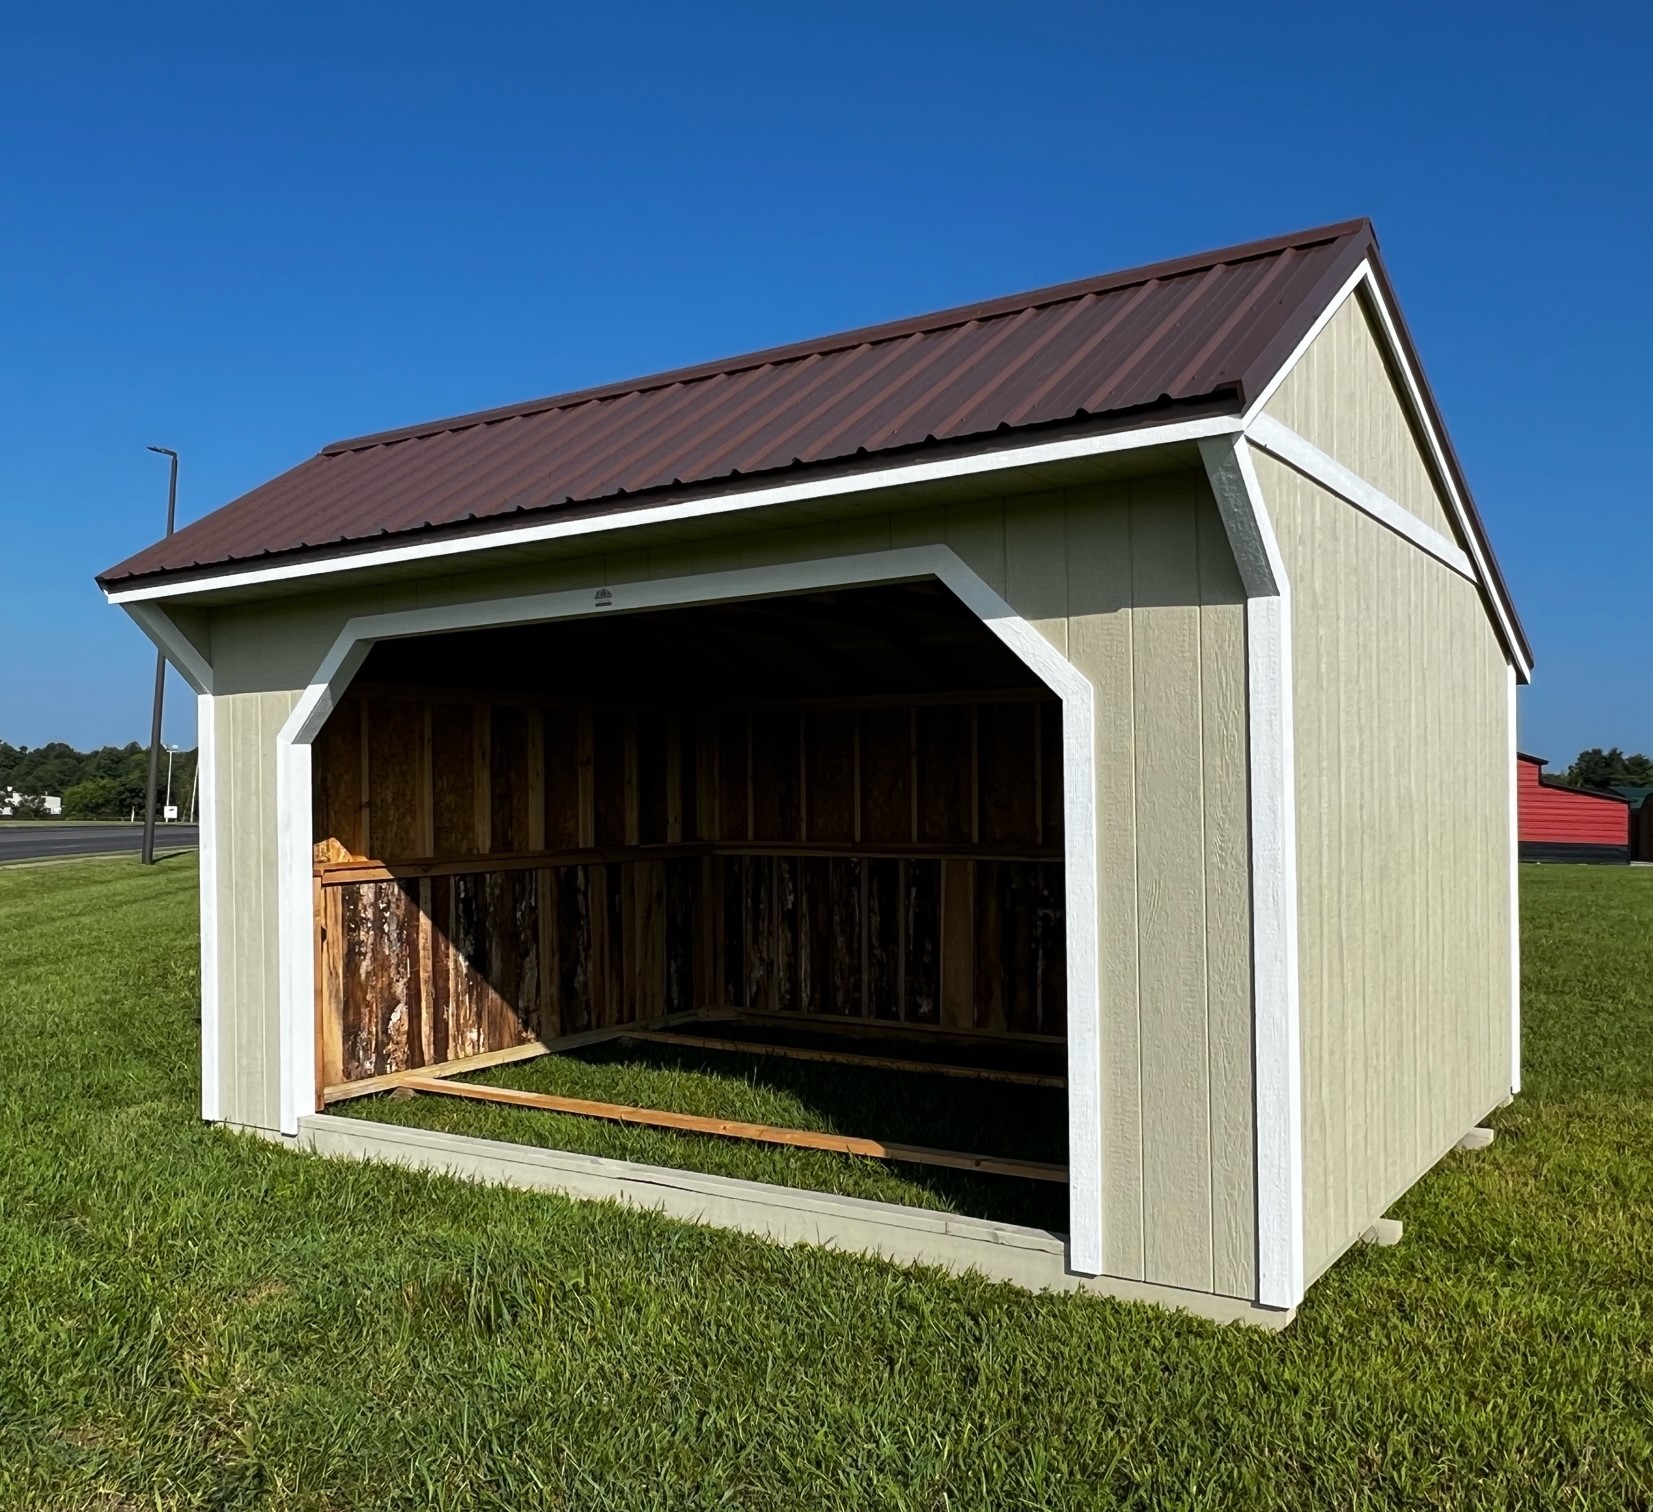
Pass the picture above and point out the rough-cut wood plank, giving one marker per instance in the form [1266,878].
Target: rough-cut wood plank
[921,960]
[586,741]
[574,999]
[336,791]
[775,789]
[482,726]
[1008,776]
[395,743]
[682,887]
[829,759]
[989,947]
[882,1028]
[453,779]
[958,919]
[886,775]
[785,916]
[814,939]
[679,792]
[884,907]
[509,779]
[441,967]
[348,873]
[608,729]
[653,779]
[843,1144]
[944,746]
[845,1058]
[560,742]
[844,921]
[758,935]
[505,1056]
[1050,774]
[331,1054]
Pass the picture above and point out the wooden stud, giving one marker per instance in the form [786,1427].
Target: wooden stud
[482,768]
[365,826]
[688,1123]
[535,754]
[587,823]
[674,779]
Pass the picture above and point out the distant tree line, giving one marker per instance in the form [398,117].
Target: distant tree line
[1597,768]
[107,783]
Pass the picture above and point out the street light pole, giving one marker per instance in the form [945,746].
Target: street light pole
[171,751]
[148,856]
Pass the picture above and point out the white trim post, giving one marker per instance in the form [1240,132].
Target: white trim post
[206,779]
[296,928]
[1276,1008]
[1511,767]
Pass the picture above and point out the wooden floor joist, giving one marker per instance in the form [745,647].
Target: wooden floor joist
[842,1144]
[845,1058]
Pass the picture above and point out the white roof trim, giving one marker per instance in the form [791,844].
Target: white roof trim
[1364,277]
[724,503]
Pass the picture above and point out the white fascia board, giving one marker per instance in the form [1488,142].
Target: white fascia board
[1364,277]
[735,501]
[1271,744]
[1281,441]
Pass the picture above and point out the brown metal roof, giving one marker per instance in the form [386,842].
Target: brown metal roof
[1174,337]
[1197,335]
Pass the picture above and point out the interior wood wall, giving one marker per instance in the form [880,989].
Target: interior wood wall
[494,870]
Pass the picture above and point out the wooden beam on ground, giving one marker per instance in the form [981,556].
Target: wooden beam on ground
[846,1058]
[896,1029]
[688,1123]
[532,1050]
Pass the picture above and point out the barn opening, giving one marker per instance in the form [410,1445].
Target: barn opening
[816,835]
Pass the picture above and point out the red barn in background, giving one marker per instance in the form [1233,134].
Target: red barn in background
[1560,823]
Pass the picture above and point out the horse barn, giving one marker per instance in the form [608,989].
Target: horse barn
[992,736]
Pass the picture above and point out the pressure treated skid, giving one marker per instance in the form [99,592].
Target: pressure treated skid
[1156,808]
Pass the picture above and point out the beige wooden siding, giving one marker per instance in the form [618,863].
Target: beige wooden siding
[1344,397]
[1403,866]
[1135,583]
[245,730]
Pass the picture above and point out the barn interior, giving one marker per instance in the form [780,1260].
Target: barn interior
[823,830]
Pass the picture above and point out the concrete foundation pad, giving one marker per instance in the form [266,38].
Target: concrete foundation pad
[1027,1257]
[1476,1139]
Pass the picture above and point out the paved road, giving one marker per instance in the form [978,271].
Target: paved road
[33,842]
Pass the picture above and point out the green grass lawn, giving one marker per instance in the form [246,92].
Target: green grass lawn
[191,1318]
[984,1118]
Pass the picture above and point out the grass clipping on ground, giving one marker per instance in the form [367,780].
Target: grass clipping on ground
[194,1318]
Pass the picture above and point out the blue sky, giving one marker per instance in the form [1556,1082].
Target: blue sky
[243,232]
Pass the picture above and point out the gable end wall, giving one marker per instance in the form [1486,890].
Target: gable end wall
[1135,583]
[1402,741]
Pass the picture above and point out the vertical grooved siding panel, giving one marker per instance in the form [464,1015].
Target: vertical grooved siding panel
[1227,862]
[1101,645]
[1134,584]
[1343,397]
[1176,1125]
[246,729]
[1403,876]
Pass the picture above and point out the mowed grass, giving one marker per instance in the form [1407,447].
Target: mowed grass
[194,1318]
[984,1118]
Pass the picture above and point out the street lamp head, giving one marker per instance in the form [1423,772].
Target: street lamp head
[165,451]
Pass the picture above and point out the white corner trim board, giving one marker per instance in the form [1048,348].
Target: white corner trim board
[296,955]
[1277,1033]
[206,768]
[1511,766]
[725,503]
[1278,440]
